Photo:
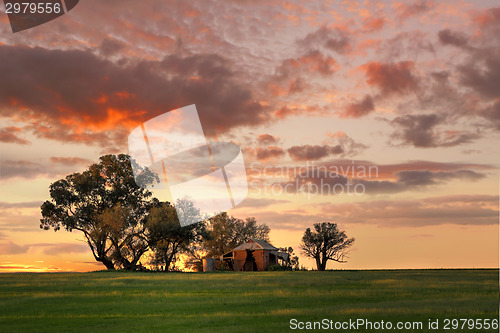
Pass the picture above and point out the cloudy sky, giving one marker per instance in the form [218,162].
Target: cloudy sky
[399,98]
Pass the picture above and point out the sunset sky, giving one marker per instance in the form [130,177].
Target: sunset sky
[408,90]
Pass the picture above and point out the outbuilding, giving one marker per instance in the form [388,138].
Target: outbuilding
[254,255]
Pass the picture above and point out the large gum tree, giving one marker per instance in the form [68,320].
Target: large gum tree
[106,205]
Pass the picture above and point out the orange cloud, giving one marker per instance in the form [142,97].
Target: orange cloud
[372,24]
[488,17]
[338,134]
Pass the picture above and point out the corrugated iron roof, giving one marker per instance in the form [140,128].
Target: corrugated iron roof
[256,244]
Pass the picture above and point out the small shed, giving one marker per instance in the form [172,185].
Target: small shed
[254,255]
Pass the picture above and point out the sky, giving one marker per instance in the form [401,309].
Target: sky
[383,117]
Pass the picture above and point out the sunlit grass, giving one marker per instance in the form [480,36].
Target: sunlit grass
[238,302]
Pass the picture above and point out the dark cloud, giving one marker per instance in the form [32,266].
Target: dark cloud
[298,85]
[359,108]
[338,144]
[23,169]
[448,37]
[55,167]
[426,177]
[26,204]
[417,130]
[313,152]
[492,113]
[405,44]
[415,179]
[331,39]
[389,178]
[70,160]
[315,62]
[110,46]
[407,10]
[349,145]
[422,131]
[386,171]
[264,154]
[322,181]
[267,139]
[441,76]
[11,135]
[479,68]
[482,72]
[392,78]
[76,95]
[454,209]
[288,76]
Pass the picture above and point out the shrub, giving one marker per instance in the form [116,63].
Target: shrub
[278,267]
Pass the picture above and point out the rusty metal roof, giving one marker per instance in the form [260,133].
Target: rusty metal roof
[256,244]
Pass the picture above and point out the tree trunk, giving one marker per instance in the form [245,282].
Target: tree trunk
[318,264]
[108,263]
[167,258]
[323,265]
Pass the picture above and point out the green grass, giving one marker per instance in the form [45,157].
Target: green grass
[240,302]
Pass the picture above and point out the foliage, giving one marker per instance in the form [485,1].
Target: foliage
[128,239]
[194,251]
[227,232]
[293,260]
[167,238]
[325,243]
[300,268]
[106,205]
[279,267]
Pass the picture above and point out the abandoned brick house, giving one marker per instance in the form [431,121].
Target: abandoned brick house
[255,255]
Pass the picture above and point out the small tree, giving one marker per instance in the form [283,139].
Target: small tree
[293,260]
[325,243]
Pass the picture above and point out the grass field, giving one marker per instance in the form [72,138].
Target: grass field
[240,302]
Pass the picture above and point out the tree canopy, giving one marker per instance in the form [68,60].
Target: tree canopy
[167,238]
[227,232]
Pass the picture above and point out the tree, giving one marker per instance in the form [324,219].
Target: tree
[325,243]
[106,205]
[127,238]
[166,237]
[293,260]
[227,232]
